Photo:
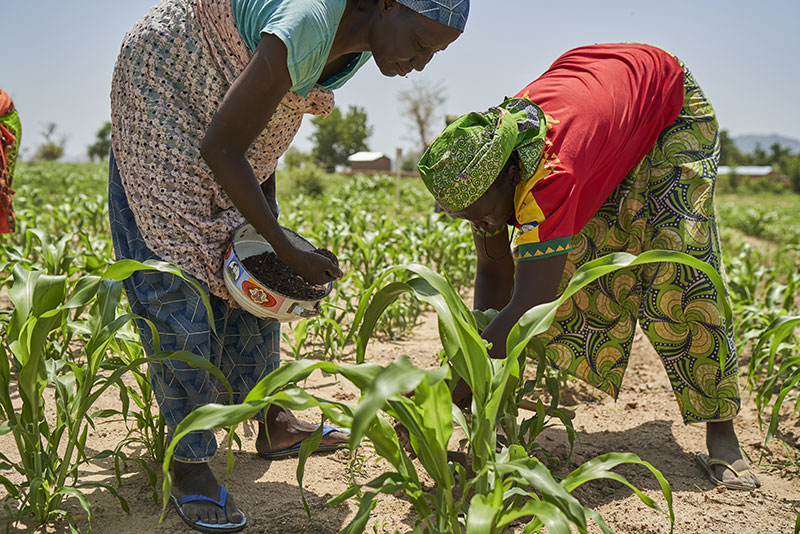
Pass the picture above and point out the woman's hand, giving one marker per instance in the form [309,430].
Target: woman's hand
[315,268]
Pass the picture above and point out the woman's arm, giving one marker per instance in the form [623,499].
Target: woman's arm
[268,188]
[535,282]
[242,116]
[494,279]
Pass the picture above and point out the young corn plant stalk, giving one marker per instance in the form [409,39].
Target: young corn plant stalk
[784,374]
[51,452]
[500,487]
[298,339]
[782,364]
[510,484]
[148,428]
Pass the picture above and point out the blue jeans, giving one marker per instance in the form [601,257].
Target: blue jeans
[245,347]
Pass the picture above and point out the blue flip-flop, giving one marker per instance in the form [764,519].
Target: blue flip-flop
[294,450]
[201,526]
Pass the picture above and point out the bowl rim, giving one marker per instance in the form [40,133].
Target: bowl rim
[272,249]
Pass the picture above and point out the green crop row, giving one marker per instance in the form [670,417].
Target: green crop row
[68,337]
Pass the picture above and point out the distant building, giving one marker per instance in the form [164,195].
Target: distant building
[752,173]
[370,162]
[747,171]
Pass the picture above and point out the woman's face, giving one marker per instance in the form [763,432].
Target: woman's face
[402,40]
[496,206]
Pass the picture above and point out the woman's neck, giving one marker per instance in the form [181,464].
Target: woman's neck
[352,36]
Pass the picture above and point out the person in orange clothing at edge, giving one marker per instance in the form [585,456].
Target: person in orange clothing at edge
[206,96]
[10,134]
[613,149]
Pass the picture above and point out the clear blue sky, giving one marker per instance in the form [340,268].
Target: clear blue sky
[59,57]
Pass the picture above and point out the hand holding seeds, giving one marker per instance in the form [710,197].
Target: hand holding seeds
[315,268]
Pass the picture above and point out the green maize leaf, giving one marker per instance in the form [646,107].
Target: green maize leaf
[31,378]
[83,293]
[365,507]
[398,377]
[387,446]
[340,414]
[184,356]
[776,332]
[124,268]
[5,392]
[483,318]
[349,492]
[96,347]
[308,446]
[434,404]
[472,362]
[460,420]
[35,292]
[538,476]
[287,373]
[597,518]
[388,483]
[785,389]
[74,492]
[382,300]
[104,310]
[11,488]
[601,466]
[547,514]
[122,502]
[458,342]
[363,303]
[482,515]
[502,385]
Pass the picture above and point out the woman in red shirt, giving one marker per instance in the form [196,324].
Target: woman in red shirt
[10,132]
[613,149]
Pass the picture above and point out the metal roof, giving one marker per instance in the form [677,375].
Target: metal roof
[367,156]
[747,170]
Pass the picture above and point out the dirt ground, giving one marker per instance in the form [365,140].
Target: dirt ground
[644,421]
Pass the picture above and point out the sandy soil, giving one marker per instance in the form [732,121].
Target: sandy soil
[644,421]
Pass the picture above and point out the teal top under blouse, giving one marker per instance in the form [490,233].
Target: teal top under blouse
[307,28]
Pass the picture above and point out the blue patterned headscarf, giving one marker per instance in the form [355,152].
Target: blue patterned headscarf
[451,13]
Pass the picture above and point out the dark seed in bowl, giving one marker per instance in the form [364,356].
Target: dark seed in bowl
[268,269]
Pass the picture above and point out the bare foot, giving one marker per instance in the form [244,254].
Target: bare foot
[197,478]
[723,444]
[286,430]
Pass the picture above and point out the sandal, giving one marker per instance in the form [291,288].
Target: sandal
[294,450]
[707,463]
[178,503]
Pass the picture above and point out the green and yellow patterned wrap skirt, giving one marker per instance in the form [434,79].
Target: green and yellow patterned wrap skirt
[665,202]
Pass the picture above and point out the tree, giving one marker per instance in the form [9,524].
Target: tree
[296,159]
[777,153]
[729,154]
[789,166]
[759,156]
[338,136]
[52,148]
[420,105]
[102,145]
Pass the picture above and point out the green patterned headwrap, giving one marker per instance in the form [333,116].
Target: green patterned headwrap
[467,157]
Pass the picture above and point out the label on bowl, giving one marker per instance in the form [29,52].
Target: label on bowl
[259,295]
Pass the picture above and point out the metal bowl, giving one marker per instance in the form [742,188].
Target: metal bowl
[256,296]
